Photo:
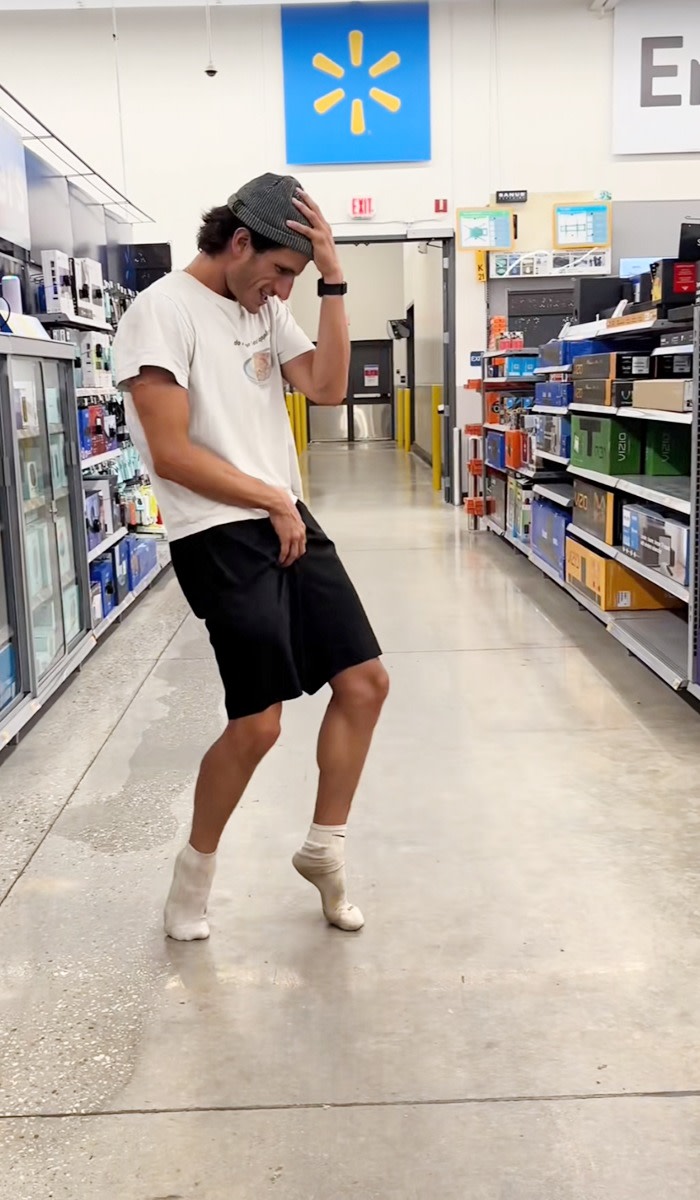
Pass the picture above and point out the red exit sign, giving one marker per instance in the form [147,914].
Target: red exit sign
[362,208]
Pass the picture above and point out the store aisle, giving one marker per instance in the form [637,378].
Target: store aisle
[517,1021]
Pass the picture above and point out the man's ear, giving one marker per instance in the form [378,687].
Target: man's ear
[240,242]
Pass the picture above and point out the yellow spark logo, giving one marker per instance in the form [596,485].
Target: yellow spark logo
[325,103]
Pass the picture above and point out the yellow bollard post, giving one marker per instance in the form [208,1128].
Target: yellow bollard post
[297,421]
[407,420]
[304,413]
[399,418]
[437,437]
[289,401]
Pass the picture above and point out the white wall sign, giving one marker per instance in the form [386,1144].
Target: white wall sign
[14,201]
[657,77]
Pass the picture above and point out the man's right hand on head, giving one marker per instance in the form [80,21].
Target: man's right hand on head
[289,528]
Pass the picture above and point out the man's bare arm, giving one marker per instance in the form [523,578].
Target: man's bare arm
[164,411]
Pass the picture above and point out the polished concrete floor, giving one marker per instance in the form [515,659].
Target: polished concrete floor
[519,1018]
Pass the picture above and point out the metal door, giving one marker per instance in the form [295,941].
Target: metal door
[370,391]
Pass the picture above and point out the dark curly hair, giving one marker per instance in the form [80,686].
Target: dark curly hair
[218,227]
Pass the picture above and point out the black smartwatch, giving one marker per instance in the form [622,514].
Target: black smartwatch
[331,289]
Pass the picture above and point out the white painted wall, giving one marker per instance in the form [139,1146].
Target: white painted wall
[522,101]
[423,289]
[374,276]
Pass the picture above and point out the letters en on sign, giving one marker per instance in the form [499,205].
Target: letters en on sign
[656,81]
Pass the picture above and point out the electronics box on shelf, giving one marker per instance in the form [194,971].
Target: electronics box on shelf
[95,603]
[93,519]
[496,499]
[548,524]
[58,288]
[494,407]
[553,434]
[520,367]
[495,450]
[667,449]
[657,541]
[142,555]
[88,289]
[610,585]
[102,573]
[120,568]
[515,439]
[561,353]
[673,282]
[667,395]
[95,358]
[606,392]
[594,510]
[612,365]
[605,444]
[519,519]
[673,366]
[555,393]
[8,675]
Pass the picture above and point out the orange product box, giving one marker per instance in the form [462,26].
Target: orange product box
[493,408]
[610,585]
[514,449]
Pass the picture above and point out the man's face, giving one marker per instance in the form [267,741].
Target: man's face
[252,277]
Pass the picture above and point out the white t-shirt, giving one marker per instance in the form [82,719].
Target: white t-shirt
[230,362]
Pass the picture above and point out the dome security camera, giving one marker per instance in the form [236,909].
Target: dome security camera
[211,70]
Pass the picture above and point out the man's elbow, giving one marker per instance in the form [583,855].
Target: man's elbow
[168,465]
[329,397]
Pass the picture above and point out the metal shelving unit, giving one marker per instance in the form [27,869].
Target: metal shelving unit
[666,640]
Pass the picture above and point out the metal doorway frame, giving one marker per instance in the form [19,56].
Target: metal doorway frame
[395,232]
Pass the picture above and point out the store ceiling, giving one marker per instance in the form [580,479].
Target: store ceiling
[55,5]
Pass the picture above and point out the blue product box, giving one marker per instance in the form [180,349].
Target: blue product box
[495,450]
[548,525]
[555,394]
[120,566]
[96,532]
[559,353]
[142,558]
[84,433]
[517,368]
[102,573]
[8,675]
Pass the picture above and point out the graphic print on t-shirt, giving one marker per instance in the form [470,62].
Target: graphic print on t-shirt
[259,367]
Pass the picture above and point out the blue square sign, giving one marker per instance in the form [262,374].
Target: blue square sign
[357,83]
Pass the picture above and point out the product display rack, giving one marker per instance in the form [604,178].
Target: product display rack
[46,623]
[666,640]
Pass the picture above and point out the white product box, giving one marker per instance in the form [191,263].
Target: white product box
[95,358]
[58,286]
[88,288]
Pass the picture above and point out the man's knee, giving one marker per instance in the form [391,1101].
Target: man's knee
[363,688]
[253,737]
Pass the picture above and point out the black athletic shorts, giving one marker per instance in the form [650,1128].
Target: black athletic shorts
[276,631]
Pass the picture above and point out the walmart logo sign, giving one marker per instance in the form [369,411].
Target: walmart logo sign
[357,83]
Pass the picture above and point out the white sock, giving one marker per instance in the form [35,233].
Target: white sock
[321,860]
[186,906]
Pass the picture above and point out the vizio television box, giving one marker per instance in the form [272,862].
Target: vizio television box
[657,541]
[612,365]
[667,449]
[606,392]
[610,585]
[594,511]
[605,444]
[548,524]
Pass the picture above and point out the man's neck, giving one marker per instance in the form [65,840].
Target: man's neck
[209,271]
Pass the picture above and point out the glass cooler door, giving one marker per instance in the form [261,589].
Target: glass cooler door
[68,523]
[10,659]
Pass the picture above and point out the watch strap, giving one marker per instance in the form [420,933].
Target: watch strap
[331,289]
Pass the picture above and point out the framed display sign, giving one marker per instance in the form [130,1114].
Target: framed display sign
[484,229]
[582,226]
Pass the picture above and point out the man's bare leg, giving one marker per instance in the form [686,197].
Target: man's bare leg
[226,771]
[343,744]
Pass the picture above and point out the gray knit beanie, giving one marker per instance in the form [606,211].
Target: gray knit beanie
[265,205]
